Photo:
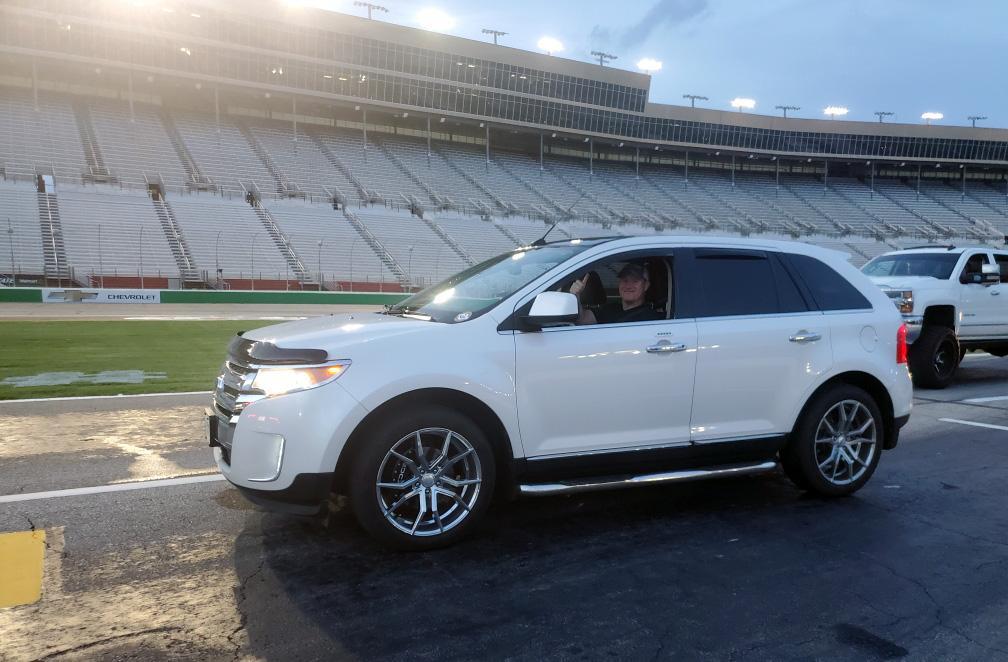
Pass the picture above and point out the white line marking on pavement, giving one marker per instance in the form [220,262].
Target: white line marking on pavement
[995,398]
[975,424]
[104,397]
[119,487]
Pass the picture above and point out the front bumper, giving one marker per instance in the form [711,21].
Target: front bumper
[281,452]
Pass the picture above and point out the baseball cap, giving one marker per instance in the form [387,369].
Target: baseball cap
[633,269]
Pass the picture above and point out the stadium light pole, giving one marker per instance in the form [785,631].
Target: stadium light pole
[604,57]
[140,248]
[550,45]
[883,114]
[649,65]
[974,118]
[786,108]
[495,33]
[217,256]
[10,239]
[742,103]
[930,115]
[370,7]
[834,111]
[693,98]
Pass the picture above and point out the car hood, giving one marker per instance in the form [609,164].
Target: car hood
[337,333]
[907,282]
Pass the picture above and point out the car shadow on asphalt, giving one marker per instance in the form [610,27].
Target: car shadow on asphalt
[706,569]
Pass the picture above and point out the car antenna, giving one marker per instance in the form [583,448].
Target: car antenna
[541,241]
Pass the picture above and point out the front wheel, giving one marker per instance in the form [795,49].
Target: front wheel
[836,445]
[423,478]
[934,358]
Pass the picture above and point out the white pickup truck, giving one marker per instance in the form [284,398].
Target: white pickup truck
[953,299]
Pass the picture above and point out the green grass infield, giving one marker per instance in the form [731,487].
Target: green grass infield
[46,359]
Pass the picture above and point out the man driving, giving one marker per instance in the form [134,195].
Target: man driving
[632,307]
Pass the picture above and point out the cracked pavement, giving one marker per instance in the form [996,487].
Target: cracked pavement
[913,567]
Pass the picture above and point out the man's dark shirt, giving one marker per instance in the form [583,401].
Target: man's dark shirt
[613,313]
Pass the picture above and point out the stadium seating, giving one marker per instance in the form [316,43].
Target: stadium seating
[410,216]
[19,224]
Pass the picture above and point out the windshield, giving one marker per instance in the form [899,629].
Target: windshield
[476,290]
[935,265]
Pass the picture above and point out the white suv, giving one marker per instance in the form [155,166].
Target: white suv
[705,357]
[953,300]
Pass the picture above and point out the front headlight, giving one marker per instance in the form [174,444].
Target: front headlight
[280,380]
[905,301]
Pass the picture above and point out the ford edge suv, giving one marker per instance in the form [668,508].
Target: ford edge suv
[742,357]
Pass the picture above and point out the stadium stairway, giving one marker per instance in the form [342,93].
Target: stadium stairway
[284,187]
[282,243]
[53,248]
[97,172]
[197,180]
[379,249]
[177,243]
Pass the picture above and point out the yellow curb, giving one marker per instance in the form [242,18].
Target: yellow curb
[21,556]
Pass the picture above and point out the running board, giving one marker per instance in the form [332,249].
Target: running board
[688,475]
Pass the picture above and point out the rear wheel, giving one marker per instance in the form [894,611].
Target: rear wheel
[934,358]
[836,446]
[423,479]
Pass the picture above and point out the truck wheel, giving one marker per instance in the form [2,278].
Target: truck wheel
[423,478]
[934,357]
[836,445]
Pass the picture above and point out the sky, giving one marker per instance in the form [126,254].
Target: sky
[902,56]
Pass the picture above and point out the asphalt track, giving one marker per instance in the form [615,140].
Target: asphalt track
[915,566]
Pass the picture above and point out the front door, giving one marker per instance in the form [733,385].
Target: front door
[603,386]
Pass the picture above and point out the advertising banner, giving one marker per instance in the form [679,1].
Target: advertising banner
[95,295]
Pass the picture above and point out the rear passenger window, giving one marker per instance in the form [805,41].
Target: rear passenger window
[743,283]
[830,290]
[1002,261]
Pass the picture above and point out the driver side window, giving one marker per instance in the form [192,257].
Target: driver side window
[624,288]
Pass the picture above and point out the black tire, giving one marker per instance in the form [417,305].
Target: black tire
[372,453]
[934,358]
[802,457]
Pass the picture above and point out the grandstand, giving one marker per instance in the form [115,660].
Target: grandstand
[254,181]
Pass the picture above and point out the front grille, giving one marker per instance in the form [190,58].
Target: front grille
[229,386]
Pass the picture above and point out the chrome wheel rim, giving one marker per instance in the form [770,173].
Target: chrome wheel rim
[943,361]
[845,442]
[428,482]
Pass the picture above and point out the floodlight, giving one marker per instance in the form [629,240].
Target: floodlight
[928,116]
[741,103]
[649,65]
[550,45]
[434,19]
[834,111]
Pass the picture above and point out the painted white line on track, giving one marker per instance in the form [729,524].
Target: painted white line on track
[995,398]
[975,424]
[118,487]
[104,397]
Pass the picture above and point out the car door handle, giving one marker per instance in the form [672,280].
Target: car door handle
[804,336]
[665,347]
[995,293]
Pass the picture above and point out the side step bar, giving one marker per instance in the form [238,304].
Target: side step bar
[688,475]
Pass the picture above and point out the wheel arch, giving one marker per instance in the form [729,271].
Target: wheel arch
[476,409]
[941,314]
[874,387]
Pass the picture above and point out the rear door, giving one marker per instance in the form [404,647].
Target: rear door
[980,301]
[761,346]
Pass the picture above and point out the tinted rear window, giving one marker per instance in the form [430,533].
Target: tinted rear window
[743,283]
[830,290]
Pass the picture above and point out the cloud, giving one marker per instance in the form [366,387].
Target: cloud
[663,14]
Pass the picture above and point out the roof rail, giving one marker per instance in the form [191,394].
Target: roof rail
[950,247]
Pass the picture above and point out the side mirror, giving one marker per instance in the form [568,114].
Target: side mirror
[552,309]
[991,273]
